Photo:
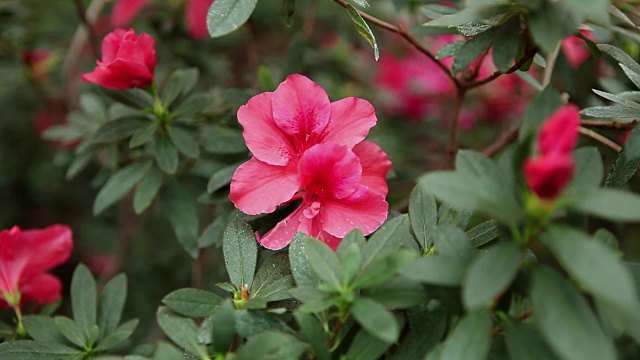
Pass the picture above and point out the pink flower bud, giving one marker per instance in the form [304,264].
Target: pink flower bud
[559,133]
[548,175]
[128,61]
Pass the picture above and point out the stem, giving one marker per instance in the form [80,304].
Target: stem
[504,140]
[551,63]
[452,148]
[530,54]
[20,330]
[93,38]
[599,138]
[614,125]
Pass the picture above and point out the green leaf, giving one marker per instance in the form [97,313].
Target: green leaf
[423,213]
[166,154]
[388,238]
[383,269]
[83,298]
[70,330]
[221,177]
[449,50]
[450,215]
[366,346]
[551,22]
[117,337]
[219,139]
[136,97]
[111,304]
[324,261]
[226,16]
[117,130]
[437,270]
[314,333]
[364,30]
[214,232]
[477,184]
[184,142]
[471,49]
[398,293]
[223,326]
[452,242]
[375,319]
[119,185]
[181,331]
[490,274]
[35,350]
[565,319]
[470,339]
[250,323]
[609,204]
[79,163]
[265,77]
[627,162]
[240,252]
[467,15]
[147,189]
[525,343]
[506,45]
[300,266]
[43,329]
[589,169]
[182,211]
[618,99]
[484,233]
[143,135]
[180,82]
[427,326]
[192,302]
[621,57]
[273,276]
[354,236]
[272,345]
[287,10]
[538,111]
[193,105]
[598,268]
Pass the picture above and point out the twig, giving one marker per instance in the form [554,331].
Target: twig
[504,140]
[530,54]
[402,31]
[599,138]
[93,38]
[452,147]
[614,125]
[551,63]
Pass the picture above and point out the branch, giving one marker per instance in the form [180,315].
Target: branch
[528,56]
[402,31]
[599,138]
[504,140]
[452,148]
[614,125]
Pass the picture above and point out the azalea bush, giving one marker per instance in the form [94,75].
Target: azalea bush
[314,179]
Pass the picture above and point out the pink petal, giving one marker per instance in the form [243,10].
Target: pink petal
[111,44]
[263,137]
[147,46]
[42,289]
[329,170]
[46,248]
[351,119]
[196,18]
[364,209]
[124,11]
[136,74]
[375,166]
[301,108]
[105,78]
[548,175]
[559,133]
[281,235]
[257,187]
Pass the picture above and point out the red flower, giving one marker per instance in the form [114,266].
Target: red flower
[124,11]
[128,61]
[25,256]
[576,50]
[551,171]
[306,147]
[195,17]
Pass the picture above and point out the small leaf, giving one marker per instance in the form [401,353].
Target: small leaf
[117,130]
[117,337]
[324,261]
[194,104]
[184,141]
[250,323]
[70,330]
[437,270]
[470,339]
[609,204]
[36,350]
[272,345]
[143,135]
[83,298]
[483,233]
[375,319]
[627,162]
[366,346]
[181,331]
[300,266]
[43,329]
[111,304]
[468,15]
[471,49]
[147,190]
[226,16]
[182,211]
[388,238]
[119,185]
[364,30]
[315,335]
[449,50]
[452,242]
[221,177]
[525,343]
[287,10]
[273,276]
[490,274]
[240,252]
[166,154]
[224,330]
[423,213]
[192,302]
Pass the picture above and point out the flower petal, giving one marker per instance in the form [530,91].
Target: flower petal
[364,209]
[263,137]
[559,133]
[547,176]
[45,248]
[124,11]
[105,78]
[351,119]
[375,166]
[195,16]
[257,187]
[43,289]
[301,108]
[281,234]
[329,170]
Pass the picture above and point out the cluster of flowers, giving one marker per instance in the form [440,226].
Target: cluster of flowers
[310,149]
[548,173]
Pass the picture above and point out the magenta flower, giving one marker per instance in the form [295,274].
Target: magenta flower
[304,147]
[25,256]
[195,18]
[125,11]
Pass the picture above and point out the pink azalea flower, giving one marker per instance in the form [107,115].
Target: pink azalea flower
[25,256]
[195,17]
[124,11]
[576,50]
[280,128]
